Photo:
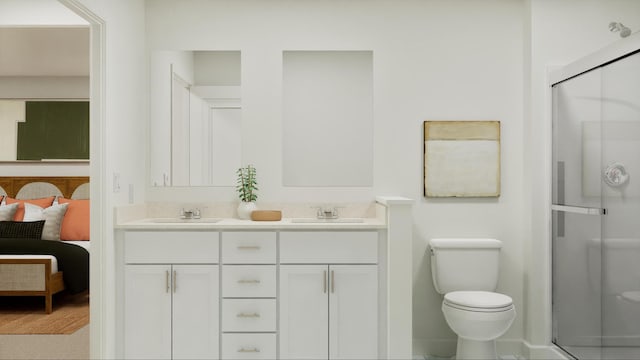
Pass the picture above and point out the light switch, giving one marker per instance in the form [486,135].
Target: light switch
[116,182]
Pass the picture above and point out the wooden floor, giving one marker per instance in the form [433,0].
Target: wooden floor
[26,315]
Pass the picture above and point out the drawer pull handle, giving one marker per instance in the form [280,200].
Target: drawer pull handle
[324,282]
[248,315]
[175,281]
[250,350]
[333,281]
[248,247]
[252,281]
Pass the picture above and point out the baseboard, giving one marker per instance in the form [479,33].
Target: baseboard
[543,352]
[517,348]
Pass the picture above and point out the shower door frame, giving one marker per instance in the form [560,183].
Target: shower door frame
[607,55]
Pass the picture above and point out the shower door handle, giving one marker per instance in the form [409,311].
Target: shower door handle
[579,209]
[562,209]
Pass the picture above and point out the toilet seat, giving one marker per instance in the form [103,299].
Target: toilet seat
[479,301]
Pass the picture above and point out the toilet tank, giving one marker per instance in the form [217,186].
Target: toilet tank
[465,264]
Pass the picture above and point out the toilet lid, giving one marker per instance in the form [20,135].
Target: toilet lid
[478,299]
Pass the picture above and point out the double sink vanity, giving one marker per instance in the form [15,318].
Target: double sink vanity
[224,288]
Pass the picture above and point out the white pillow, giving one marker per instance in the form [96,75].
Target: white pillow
[52,217]
[8,211]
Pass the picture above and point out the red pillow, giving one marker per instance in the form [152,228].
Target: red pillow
[43,203]
[75,224]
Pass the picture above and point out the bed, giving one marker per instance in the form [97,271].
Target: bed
[36,267]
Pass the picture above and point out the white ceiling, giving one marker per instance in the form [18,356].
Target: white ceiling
[44,51]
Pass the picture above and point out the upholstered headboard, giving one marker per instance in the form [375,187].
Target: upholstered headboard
[66,184]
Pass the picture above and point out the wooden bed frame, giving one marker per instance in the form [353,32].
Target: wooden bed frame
[32,276]
[35,279]
[66,184]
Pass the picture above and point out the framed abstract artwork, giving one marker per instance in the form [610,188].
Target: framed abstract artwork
[461,159]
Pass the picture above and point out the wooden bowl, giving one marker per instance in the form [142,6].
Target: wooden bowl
[266,215]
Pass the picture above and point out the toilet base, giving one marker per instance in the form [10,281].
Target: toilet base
[475,349]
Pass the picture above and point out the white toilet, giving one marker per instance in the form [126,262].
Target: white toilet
[466,272]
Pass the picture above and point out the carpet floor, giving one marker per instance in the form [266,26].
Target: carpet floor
[24,315]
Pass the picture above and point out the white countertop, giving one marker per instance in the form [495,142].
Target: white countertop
[237,224]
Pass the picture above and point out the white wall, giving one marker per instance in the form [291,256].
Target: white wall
[121,149]
[37,12]
[433,60]
[44,87]
[561,32]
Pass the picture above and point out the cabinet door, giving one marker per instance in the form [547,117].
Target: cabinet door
[195,311]
[353,312]
[147,312]
[304,312]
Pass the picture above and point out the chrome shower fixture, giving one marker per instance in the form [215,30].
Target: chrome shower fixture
[616,26]
[615,175]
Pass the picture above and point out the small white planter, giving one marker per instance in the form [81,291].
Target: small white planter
[245,208]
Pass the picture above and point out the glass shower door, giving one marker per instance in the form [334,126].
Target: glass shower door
[596,256]
[577,212]
[620,174]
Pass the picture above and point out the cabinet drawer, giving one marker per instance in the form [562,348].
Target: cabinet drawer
[248,346]
[185,247]
[257,281]
[329,247]
[248,315]
[243,247]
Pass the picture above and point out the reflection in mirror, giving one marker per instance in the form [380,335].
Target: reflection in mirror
[195,118]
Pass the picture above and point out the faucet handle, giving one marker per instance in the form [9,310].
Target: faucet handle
[335,212]
[196,213]
[327,212]
[319,211]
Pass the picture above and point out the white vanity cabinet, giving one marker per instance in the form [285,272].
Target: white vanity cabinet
[171,295]
[250,292]
[328,297]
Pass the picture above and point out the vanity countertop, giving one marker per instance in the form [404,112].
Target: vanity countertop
[237,224]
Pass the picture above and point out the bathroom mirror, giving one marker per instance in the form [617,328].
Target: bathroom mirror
[194,118]
[327,118]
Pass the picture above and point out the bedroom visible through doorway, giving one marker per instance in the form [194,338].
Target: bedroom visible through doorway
[46,58]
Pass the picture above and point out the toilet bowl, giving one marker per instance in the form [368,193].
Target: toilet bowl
[466,272]
[478,318]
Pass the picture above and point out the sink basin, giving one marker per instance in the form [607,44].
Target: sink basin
[185,221]
[327,221]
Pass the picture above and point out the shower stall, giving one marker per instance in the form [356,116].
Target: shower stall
[596,206]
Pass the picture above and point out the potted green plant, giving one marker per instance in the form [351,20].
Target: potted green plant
[246,186]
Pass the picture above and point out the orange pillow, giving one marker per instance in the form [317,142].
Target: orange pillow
[43,203]
[75,224]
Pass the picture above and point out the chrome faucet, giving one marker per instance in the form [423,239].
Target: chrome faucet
[190,214]
[326,213]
